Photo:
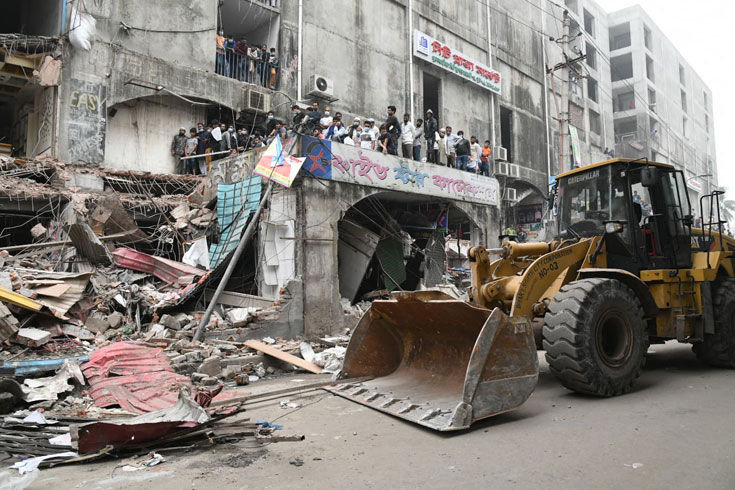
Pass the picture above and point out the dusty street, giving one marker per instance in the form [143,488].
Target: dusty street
[675,430]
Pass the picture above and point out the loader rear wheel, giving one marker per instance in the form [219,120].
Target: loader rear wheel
[595,337]
[718,349]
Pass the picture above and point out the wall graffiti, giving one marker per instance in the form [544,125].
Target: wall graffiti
[289,70]
[47,106]
[87,121]
[335,161]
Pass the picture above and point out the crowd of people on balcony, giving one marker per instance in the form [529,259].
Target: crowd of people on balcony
[422,140]
[247,62]
[414,139]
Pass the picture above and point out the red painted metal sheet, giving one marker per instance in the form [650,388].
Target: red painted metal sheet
[134,376]
[97,435]
[167,270]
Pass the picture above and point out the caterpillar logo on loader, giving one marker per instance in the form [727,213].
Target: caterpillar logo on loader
[624,271]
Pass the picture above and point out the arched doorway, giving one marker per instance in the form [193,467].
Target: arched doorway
[393,241]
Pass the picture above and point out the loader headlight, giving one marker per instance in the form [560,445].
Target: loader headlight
[613,227]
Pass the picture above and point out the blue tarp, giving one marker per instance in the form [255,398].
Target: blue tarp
[235,203]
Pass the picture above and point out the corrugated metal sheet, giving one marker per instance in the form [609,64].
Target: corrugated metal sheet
[134,376]
[167,270]
[60,306]
[390,256]
[231,200]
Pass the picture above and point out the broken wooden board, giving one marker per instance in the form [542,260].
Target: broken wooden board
[284,356]
[55,291]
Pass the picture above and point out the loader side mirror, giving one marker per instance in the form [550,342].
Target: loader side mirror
[649,176]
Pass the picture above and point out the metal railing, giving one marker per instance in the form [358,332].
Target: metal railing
[247,69]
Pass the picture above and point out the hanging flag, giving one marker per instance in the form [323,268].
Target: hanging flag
[278,166]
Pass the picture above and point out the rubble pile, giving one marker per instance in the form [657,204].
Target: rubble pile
[101,295]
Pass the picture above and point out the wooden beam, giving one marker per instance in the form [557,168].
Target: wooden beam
[284,356]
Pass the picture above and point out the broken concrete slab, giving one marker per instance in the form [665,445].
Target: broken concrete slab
[38,230]
[240,316]
[115,319]
[77,332]
[32,337]
[8,323]
[97,324]
[171,322]
[212,366]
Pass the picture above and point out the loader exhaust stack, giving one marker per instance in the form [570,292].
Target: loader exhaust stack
[440,362]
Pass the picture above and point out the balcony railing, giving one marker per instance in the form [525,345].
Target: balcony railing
[247,69]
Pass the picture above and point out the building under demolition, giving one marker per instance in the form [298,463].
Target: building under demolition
[103,86]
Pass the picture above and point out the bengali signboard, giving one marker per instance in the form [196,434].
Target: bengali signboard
[437,53]
[334,161]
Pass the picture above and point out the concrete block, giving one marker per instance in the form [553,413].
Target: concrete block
[85,181]
[97,324]
[32,337]
[212,366]
[171,322]
[115,319]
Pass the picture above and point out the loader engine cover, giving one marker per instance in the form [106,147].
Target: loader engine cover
[439,362]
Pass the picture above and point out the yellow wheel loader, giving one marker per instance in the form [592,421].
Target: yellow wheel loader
[625,270]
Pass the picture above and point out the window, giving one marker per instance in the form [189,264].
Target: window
[592,89]
[654,128]
[595,123]
[682,75]
[649,69]
[621,67]
[706,123]
[571,5]
[589,23]
[683,101]
[652,99]
[591,58]
[619,36]
[647,38]
[624,101]
[684,124]
[706,101]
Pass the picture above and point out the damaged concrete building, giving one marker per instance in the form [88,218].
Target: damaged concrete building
[356,223]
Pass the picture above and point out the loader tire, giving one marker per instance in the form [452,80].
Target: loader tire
[595,337]
[718,349]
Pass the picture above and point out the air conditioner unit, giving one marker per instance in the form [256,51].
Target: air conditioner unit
[502,168]
[515,171]
[320,86]
[510,195]
[501,154]
[257,101]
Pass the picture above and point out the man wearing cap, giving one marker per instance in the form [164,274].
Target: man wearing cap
[178,148]
[353,128]
[430,129]
[372,129]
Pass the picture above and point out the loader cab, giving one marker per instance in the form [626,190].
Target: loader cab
[648,199]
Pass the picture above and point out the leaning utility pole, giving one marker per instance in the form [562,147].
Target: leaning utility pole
[564,115]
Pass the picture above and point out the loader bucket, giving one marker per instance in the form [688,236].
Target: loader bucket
[439,362]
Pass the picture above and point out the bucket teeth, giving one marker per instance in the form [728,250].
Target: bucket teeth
[373,396]
[391,401]
[434,413]
[359,391]
[411,406]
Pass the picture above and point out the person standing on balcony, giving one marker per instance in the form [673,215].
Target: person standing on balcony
[297,118]
[204,136]
[273,68]
[451,147]
[367,139]
[270,123]
[326,120]
[462,150]
[178,148]
[394,130]
[253,55]
[263,65]
[384,140]
[192,164]
[220,66]
[475,152]
[418,136]
[485,159]
[241,51]
[430,130]
[442,152]
[407,129]
[373,129]
[230,57]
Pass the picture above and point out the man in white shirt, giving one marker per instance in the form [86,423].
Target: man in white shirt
[407,130]
[373,129]
[367,140]
[326,120]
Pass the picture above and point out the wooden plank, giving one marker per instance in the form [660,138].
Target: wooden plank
[284,356]
[55,291]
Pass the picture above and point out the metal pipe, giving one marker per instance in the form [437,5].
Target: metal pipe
[410,60]
[300,48]
[249,232]
[547,134]
[490,65]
